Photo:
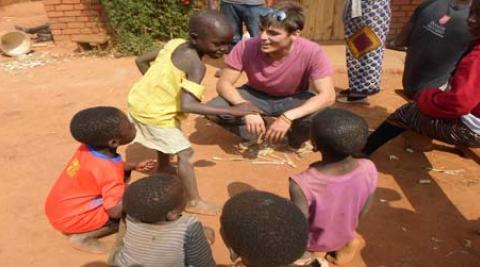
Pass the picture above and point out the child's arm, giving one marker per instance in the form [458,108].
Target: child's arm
[143,166]
[297,197]
[191,104]
[367,206]
[197,249]
[143,61]
[116,212]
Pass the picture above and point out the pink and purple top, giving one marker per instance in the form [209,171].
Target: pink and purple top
[335,203]
[285,77]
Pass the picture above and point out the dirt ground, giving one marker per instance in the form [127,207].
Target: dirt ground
[409,224]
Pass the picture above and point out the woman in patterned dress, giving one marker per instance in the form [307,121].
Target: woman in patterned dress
[366,26]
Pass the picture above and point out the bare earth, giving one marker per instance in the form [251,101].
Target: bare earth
[410,223]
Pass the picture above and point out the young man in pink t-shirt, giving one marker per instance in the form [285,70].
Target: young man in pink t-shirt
[281,66]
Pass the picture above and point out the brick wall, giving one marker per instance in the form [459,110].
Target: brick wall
[72,19]
[401,12]
[8,2]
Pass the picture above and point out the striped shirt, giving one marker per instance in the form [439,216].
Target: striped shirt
[167,244]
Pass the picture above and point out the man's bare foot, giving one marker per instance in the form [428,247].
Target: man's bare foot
[345,254]
[202,207]
[85,242]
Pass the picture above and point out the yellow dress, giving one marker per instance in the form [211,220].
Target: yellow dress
[155,99]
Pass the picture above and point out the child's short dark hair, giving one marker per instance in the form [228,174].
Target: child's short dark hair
[291,20]
[151,198]
[96,126]
[339,131]
[264,229]
[200,20]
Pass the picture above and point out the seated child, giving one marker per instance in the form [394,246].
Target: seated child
[170,88]
[85,202]
[157,234]
[334,191]
[263,229]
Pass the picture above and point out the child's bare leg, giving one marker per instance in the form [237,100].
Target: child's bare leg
[89,242]
[186,173]
[345,254]
[163,164]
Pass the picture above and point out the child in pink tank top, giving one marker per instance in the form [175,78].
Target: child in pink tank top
[334,192]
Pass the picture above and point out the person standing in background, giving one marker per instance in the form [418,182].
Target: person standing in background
[436,36]
[241,12]
[366,26]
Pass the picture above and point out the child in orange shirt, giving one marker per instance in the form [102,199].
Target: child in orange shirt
[85,202]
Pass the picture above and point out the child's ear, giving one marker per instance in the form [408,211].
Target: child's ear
[193,37]
[296,33]
[172,215]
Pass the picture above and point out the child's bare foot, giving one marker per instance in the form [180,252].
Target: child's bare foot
[202,207]
[85,242]
[345,254]
[306,259]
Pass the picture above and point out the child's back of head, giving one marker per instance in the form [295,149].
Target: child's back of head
[338,132]
[157,234]
[263,229]
[151,199]
[96,126]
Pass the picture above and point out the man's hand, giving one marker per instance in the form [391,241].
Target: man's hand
[145,166]
[255,124]
[277,131]
[243,109]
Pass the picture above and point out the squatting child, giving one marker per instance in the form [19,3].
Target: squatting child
[170,88]
[263,229]
[157,233]
[85,201]
[333,192]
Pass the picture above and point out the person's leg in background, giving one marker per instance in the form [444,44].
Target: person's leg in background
[231,12]
[251,17]
[364,72]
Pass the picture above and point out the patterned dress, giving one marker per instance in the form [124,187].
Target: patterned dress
[365,34]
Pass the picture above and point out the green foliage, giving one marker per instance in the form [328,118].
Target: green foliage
[140,24]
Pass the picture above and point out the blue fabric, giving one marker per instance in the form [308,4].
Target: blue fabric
[97,154]
[239,14]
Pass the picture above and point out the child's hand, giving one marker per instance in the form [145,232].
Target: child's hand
[243,109]
[145,166]
[209,234]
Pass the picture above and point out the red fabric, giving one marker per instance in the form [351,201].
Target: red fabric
[87,187]
[463,96]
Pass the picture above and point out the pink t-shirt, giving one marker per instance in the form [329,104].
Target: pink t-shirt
[335,203]
[284,77]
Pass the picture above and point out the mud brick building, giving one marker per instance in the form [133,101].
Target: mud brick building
[73,19]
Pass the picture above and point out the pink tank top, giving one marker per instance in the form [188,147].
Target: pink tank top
[335,203]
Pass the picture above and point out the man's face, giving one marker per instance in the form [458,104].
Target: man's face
[274,39]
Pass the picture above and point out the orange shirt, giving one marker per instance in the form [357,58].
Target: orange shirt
[89,185]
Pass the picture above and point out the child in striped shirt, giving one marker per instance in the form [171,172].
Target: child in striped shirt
[157,233]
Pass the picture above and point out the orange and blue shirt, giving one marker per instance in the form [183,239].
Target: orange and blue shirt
[91,184]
